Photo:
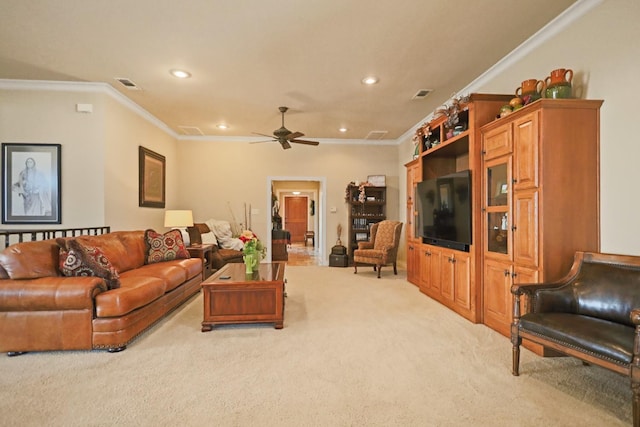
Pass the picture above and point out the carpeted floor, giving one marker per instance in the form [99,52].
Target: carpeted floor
[354,351]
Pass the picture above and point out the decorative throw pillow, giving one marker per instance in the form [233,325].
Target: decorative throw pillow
[164,247]
[209,238]
[79,260]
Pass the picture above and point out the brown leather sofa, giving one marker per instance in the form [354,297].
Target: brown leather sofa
[42,310]
[593,314]
[219,256]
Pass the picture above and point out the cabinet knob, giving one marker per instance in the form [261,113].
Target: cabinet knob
[427,253]
[452,260]
[506,273]
[514,180]
[514,275]
[514,228]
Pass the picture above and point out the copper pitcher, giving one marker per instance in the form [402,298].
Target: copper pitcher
[531,86]
[559,77]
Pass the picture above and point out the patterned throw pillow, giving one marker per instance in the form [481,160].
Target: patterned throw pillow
[79,260]
[164,247]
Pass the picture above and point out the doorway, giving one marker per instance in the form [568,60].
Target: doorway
[302,201]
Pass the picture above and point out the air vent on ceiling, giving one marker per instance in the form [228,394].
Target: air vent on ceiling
[128,83]
[191,130]
[377,134]
[421,94]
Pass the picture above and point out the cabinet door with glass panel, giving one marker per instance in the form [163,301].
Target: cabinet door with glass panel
[497,207]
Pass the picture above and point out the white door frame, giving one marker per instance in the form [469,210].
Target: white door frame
[321,211]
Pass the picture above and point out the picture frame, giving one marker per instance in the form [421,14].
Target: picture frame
[377,180]
[31,183]
[151,179]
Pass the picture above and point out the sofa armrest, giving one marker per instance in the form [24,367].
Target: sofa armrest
[50,293]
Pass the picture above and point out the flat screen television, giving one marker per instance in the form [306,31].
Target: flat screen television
[444,210]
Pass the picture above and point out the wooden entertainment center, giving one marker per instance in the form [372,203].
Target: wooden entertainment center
[534,202]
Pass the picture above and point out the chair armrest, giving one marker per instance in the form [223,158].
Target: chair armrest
[547,297]
[365,245]
[50,293]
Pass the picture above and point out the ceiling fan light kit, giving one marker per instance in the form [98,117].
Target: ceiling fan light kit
[284,136]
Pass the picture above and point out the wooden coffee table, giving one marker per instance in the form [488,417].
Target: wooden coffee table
[243,298]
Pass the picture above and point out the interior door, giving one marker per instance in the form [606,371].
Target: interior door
[295,217]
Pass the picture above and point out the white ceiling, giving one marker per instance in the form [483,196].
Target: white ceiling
[249,57]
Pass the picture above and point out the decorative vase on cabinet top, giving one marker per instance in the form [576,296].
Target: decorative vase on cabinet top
[562,76]
[531,87]
[558,91]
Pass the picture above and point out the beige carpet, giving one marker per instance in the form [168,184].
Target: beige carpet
[354,351]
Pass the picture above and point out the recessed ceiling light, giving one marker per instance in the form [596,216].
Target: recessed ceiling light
[343,129]
[295,193]
[370,80]
[222,126]
[181,74]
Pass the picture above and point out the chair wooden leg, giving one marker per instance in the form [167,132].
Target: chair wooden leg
[395,269]
[355,268]
[635,387]
[379,268]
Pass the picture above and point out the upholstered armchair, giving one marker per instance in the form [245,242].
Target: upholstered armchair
[382,247]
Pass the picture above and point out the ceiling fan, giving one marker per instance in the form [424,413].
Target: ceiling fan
[284,136]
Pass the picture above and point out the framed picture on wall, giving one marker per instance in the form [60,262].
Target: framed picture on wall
[151,181]
[31,183]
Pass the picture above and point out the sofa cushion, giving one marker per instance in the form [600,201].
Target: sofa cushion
[77,260]
[125,249]
[164,247]
[588,334]
[134,292]
[170,272]
[31,260]
[200,233]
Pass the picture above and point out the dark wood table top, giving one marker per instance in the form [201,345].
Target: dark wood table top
[267,272]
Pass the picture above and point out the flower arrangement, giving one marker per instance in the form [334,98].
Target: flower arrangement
[252,245]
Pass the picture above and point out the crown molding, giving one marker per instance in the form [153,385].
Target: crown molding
[554,27]
[85,87]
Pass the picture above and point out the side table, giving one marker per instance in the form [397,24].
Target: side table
[204,252]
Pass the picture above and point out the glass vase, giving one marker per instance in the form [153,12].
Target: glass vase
[250,262]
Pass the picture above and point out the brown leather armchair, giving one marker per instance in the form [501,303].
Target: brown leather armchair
[381,249]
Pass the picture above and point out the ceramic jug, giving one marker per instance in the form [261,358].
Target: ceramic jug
[561,76]
[530,87]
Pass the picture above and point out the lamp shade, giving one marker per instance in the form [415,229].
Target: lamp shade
[176,219]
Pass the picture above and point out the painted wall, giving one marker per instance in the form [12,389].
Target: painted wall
[219,178]
[99,152]
[216,179]
[601,48]
[50,117]
[125,131]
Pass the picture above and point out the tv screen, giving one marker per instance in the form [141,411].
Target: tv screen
[444,210]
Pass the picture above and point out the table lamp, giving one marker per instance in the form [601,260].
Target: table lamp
[179,219]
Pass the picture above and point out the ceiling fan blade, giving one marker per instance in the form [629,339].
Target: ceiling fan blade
[294,135]
[302,141]
[285,144]
[258,142]
[262,134]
